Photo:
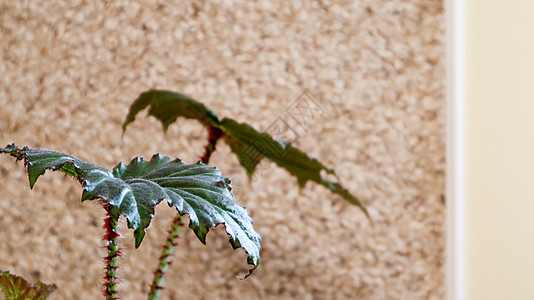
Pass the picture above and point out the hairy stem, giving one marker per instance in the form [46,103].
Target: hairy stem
[111,237]
[165,259]
[214,135]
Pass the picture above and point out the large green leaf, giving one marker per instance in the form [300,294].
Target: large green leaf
[17,288]
[250,145]
[135,189]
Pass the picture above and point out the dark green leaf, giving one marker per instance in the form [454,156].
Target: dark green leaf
[17,288]
[250,145]
[135,189]
[168,106]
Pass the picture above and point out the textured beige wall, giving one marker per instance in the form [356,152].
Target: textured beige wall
[70,69]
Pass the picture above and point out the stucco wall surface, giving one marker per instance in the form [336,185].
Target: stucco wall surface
[69,70]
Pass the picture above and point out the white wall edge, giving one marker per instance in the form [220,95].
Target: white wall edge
[455,191]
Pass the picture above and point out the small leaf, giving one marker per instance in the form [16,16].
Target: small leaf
[250,145]
[168,106]
[135,189]
[17,288]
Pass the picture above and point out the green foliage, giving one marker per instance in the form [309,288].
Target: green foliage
[17,288]
[168,106]
[247,143]
[135,189]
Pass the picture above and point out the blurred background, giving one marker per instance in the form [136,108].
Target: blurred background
[70,69]
[492,161]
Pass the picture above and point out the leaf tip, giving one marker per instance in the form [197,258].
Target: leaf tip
[123,126]
[9,148]
[139,234]
[249,273]
[32,183]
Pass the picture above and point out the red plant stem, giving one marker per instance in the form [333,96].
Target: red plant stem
[165,259]
[214,135]
[111,237]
